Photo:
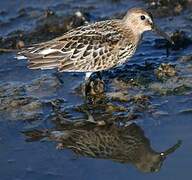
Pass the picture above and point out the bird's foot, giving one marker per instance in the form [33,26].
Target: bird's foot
[94,88]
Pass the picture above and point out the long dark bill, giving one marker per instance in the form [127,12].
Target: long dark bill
[172,149]
[163,34]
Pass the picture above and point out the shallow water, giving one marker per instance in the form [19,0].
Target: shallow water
[33,102]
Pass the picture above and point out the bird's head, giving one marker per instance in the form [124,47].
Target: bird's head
[140,20]
[152,161]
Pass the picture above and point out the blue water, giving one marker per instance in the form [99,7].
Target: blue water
[39,160]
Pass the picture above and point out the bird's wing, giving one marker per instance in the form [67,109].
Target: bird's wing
[87,48]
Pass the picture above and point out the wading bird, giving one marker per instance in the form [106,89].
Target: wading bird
[93,47]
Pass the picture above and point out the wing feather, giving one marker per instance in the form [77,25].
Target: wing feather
[80,50]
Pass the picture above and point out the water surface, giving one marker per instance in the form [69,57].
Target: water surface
[37,101]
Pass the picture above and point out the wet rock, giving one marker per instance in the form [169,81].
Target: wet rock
[180,38]
[17,99]
[29,13]
[176,79]
[48,26]
[43,86]
[11,90]
[103,111]
[141,99]
[122,85]
[167,79]
[163,8]
[173,86]
[12,40]
[114,108]
[165,71]
[118,96]
[20,108]
[51,26]
[187,58]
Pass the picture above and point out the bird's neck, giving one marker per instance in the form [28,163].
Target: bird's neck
[131,33]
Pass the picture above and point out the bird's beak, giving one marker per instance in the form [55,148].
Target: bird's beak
[161,33]
[171,149]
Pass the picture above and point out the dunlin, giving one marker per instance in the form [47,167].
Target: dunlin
[122,144]
[93,47]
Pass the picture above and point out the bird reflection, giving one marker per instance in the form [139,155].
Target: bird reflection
[123,144]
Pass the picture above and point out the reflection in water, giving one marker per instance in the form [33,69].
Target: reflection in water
[126,144]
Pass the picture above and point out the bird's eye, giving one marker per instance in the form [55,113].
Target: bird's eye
[142,17]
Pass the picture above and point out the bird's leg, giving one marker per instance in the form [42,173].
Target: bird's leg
[99,75]
[87,76]
[90,117]
[87,83]
[94,88]
[92,120]
[100,83]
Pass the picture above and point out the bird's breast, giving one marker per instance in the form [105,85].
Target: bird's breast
[126,52]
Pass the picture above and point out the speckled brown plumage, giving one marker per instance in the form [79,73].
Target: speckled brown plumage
[120,144]
[94,47]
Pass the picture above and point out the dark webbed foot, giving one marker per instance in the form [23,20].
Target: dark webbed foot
[94,86]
